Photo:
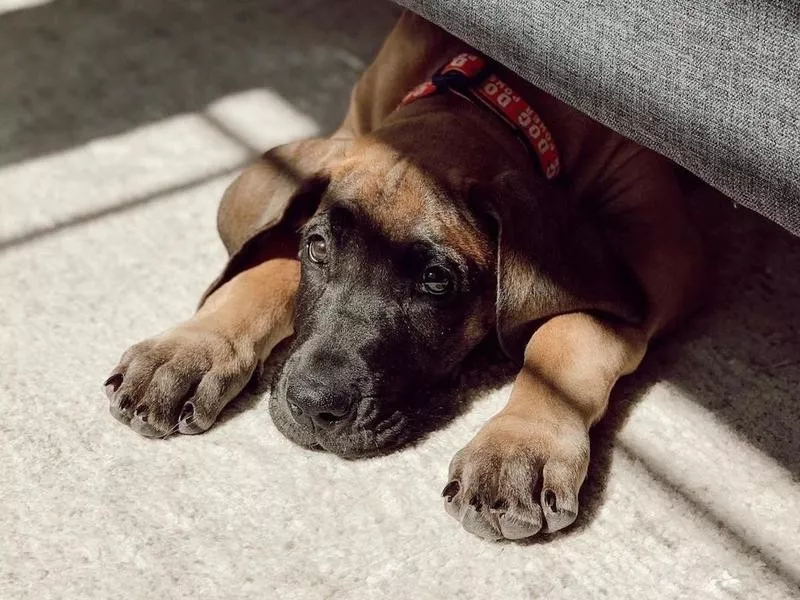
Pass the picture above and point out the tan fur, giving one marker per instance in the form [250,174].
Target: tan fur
[395,192]
[531,457]
[255,307]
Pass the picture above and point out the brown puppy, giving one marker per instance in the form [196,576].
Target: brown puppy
[425,227]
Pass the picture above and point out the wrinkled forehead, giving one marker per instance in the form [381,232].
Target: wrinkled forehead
[407,204]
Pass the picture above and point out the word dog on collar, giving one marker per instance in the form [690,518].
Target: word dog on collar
[471,76]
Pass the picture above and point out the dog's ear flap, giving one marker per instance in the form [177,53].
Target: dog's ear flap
[262,211]
[550,260]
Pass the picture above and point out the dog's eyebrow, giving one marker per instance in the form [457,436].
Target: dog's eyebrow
[441,252]
[422,243]
[338,210]
[313,221]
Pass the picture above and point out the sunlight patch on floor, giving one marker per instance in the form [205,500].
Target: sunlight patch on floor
[8,6]
[109,172]
[704,459]
[260,119]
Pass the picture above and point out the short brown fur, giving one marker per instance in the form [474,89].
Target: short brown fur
[572,360]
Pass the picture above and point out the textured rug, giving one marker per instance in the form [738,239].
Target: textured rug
[120,125]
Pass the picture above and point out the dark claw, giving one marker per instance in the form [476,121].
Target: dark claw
[550,499]
[120,415]
[121,408]
[115,380]
[450,490]
[557,511]
[187,413]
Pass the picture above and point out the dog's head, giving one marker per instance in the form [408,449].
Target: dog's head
[405,269]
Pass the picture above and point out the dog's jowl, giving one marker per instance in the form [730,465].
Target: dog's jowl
[455,202]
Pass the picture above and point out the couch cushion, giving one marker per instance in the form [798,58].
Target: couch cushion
[713,85]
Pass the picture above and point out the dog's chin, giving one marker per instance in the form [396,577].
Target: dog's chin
[384,436]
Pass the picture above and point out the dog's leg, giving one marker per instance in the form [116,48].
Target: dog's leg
[407,58]
[181,380]
[521,473]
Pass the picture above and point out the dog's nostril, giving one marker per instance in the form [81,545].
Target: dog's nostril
[330,417]
[318,405]
[332,414]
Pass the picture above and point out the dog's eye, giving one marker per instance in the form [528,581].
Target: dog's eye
[437,281]
[317,249]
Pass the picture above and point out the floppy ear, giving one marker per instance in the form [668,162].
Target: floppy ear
[550,260]
[263,209]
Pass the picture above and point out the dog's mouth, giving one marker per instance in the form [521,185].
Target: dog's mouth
[359,437]
[379,425]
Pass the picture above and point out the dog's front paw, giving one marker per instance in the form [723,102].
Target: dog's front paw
[518,477]
[179,381]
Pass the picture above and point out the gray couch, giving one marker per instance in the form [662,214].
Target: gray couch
[714,85]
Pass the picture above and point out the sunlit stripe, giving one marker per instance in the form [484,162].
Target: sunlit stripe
[695,451]
[260,119]
[8,6]
[69,187]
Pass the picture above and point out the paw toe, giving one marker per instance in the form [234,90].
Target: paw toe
[517,526]
[188,422]
[139,423]
[119,406]
[512,492]
[475,521]
[560,509]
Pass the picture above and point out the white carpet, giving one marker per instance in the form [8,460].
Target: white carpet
[120,126]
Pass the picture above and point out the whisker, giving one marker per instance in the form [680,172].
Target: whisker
[171,431]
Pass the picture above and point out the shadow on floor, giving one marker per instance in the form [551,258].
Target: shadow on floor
[739,357]
[75,70]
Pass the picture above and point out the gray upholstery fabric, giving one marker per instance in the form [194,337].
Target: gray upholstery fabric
[714,85]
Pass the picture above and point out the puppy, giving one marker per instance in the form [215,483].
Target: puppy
[455,202]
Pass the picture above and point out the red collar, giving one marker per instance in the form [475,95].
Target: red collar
[470,75]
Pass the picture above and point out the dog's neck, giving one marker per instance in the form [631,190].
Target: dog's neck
[447,133]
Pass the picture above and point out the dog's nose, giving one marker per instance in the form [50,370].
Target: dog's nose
[323,407]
